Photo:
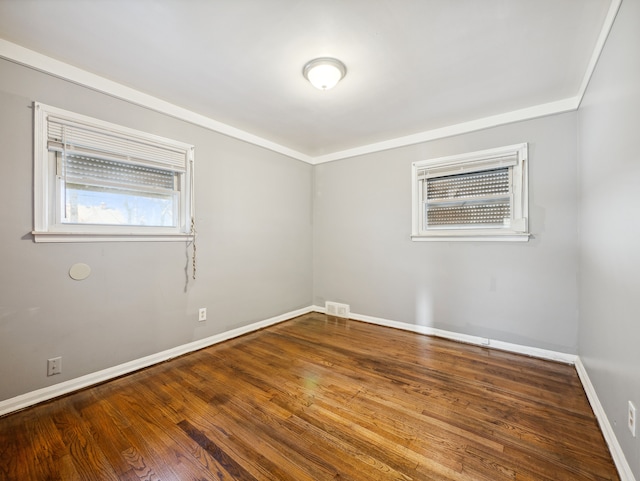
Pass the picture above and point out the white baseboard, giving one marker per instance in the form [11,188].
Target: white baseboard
[34,397]
[624,470]
[455,336]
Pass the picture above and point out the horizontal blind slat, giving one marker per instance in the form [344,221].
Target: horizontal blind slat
[469,167]
[70,135]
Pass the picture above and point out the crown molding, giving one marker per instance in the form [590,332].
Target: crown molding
[597,50]
[543,110]
[37,61]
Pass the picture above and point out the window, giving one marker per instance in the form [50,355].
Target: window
[97,181]
[475,196]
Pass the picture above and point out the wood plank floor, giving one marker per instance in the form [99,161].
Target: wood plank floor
[318,398]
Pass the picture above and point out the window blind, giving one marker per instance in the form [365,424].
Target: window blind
[477,184]
[484,164]
[471,199]
[91,171]
[75,138]
[487,214]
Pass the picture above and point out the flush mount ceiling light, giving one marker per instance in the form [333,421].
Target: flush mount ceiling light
[324,73]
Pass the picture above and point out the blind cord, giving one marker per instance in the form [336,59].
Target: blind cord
[64,214]
[193,217]
[193,257]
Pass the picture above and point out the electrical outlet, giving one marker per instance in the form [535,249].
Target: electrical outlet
[632,419]
[202,314]
[336,309]
[54,366]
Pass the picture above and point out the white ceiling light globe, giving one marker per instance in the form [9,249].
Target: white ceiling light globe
[324,73]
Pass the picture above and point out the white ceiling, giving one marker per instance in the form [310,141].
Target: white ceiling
[412,65]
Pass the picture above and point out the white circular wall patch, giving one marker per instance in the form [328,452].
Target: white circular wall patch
[79,271]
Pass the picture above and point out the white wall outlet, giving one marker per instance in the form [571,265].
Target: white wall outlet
[336,309]
[54,366]
[202,314]
[632,419]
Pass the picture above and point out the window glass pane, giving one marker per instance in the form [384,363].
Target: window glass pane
[476,184]
[484,214]
[473,199]
[88,204]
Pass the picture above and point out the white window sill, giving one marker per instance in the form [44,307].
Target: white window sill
[465,237]
[93,237]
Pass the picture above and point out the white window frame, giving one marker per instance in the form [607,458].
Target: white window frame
[515,157]
[47,224]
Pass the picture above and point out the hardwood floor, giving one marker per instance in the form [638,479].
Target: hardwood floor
[318,398]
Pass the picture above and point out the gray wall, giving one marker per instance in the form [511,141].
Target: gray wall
[609,172]
[253,212]
[276,235]
[523,293]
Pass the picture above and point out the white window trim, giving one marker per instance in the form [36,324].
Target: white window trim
[518,231]
[45,227]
